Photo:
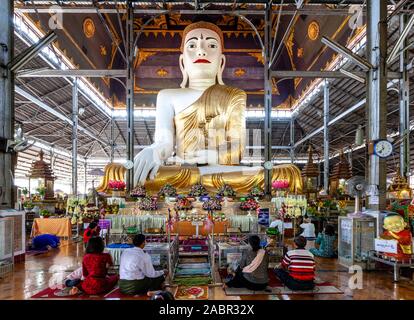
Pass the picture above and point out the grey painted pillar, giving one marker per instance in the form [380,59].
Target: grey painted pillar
[75,120]
[129,175]
[326,136]
[377,94]
[268,98]
[7,197]
[292,140]
[85,169]
[404,106]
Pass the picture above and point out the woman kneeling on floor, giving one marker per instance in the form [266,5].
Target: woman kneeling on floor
[326,241]
[137,274]
[95,268]
[252,271]
[297,270]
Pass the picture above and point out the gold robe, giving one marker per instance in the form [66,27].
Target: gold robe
[215,122]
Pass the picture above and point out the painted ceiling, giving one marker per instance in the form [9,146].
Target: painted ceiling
[85,39]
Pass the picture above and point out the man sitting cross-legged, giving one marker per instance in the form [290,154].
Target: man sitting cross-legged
[136,272]
[297,271]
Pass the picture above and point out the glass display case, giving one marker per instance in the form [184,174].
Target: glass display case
[355,240]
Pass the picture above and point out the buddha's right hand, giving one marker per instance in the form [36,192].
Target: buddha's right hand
[146,162]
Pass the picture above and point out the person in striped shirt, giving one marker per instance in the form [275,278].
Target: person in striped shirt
[297,271]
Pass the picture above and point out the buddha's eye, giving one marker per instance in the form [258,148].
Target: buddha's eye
[212,45]
[191,46]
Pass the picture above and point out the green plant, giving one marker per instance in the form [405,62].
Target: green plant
[44,213]
[41,191]
[25,191]
[28,204]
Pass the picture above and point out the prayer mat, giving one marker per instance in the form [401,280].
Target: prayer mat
[117,294]
[192,281]
[276,287]
[192,293]
[56,293]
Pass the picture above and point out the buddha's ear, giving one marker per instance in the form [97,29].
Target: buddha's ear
[185,74]
[221,69]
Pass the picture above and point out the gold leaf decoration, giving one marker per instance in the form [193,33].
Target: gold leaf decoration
[239,72]
[313,30]
[162,72]
[103,50]
[300,53]
[258,56]
[88,28]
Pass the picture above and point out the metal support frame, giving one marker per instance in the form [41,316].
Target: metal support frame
[268,97]
[112,139]
[404,93]
[291,74]
[75,120]
[7,197]
[130,93]
[377,94]
[326,137]
[85,168]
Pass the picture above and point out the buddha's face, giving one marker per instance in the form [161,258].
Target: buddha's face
[394,224]
[202,54]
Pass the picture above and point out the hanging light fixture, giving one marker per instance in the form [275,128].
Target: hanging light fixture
[359,136]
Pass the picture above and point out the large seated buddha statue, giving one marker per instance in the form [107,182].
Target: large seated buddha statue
[200,127]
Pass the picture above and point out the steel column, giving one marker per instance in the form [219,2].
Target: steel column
[404,106]
[377,94]
[130,93]
[326,137]
[85,168]
[112,139]
[268,97]
[75,120]
[292,140]
[7,197]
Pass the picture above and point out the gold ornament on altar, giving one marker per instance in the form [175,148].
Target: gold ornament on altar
[89,27]
[313,30]
[399,188]
[162,72]
[239,72]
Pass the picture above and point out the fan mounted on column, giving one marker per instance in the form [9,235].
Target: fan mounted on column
[356,187]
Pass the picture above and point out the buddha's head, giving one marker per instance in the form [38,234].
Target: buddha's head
[394,222]
[202,55]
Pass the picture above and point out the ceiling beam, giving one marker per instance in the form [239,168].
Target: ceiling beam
[322,74]
[52,111]
[54,73]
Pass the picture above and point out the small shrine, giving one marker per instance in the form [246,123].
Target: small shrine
[41,177]
[399,187]
[310,174]
[341,172]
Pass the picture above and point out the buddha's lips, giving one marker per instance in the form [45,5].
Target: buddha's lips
[202,61]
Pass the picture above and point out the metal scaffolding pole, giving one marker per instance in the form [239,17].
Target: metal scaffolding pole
[6,102]
[112,139]
[130,93]
[377,96]
[75,121]
[326,137]
[268,97]
[292,140]
[404,106]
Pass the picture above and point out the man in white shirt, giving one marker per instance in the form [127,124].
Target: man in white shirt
[136,272]
[277,223]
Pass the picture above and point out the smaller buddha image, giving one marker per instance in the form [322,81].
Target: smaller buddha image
[396,229]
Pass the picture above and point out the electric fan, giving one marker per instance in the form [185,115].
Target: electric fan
[356,187]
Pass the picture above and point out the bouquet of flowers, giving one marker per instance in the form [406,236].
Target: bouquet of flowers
[226,191]
[212,205]
[183,203]
[256,192]
[116,185]
[198,190]
[28,205]
[249,205]
[280,184]
[44,213]
[168,191]
[148,204]
[138,192]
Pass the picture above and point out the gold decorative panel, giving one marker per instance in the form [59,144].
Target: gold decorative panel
[313,30]
[239,72]
[88,28]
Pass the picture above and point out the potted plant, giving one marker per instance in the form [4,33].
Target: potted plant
[44,213]
[25,192]
[28,206]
